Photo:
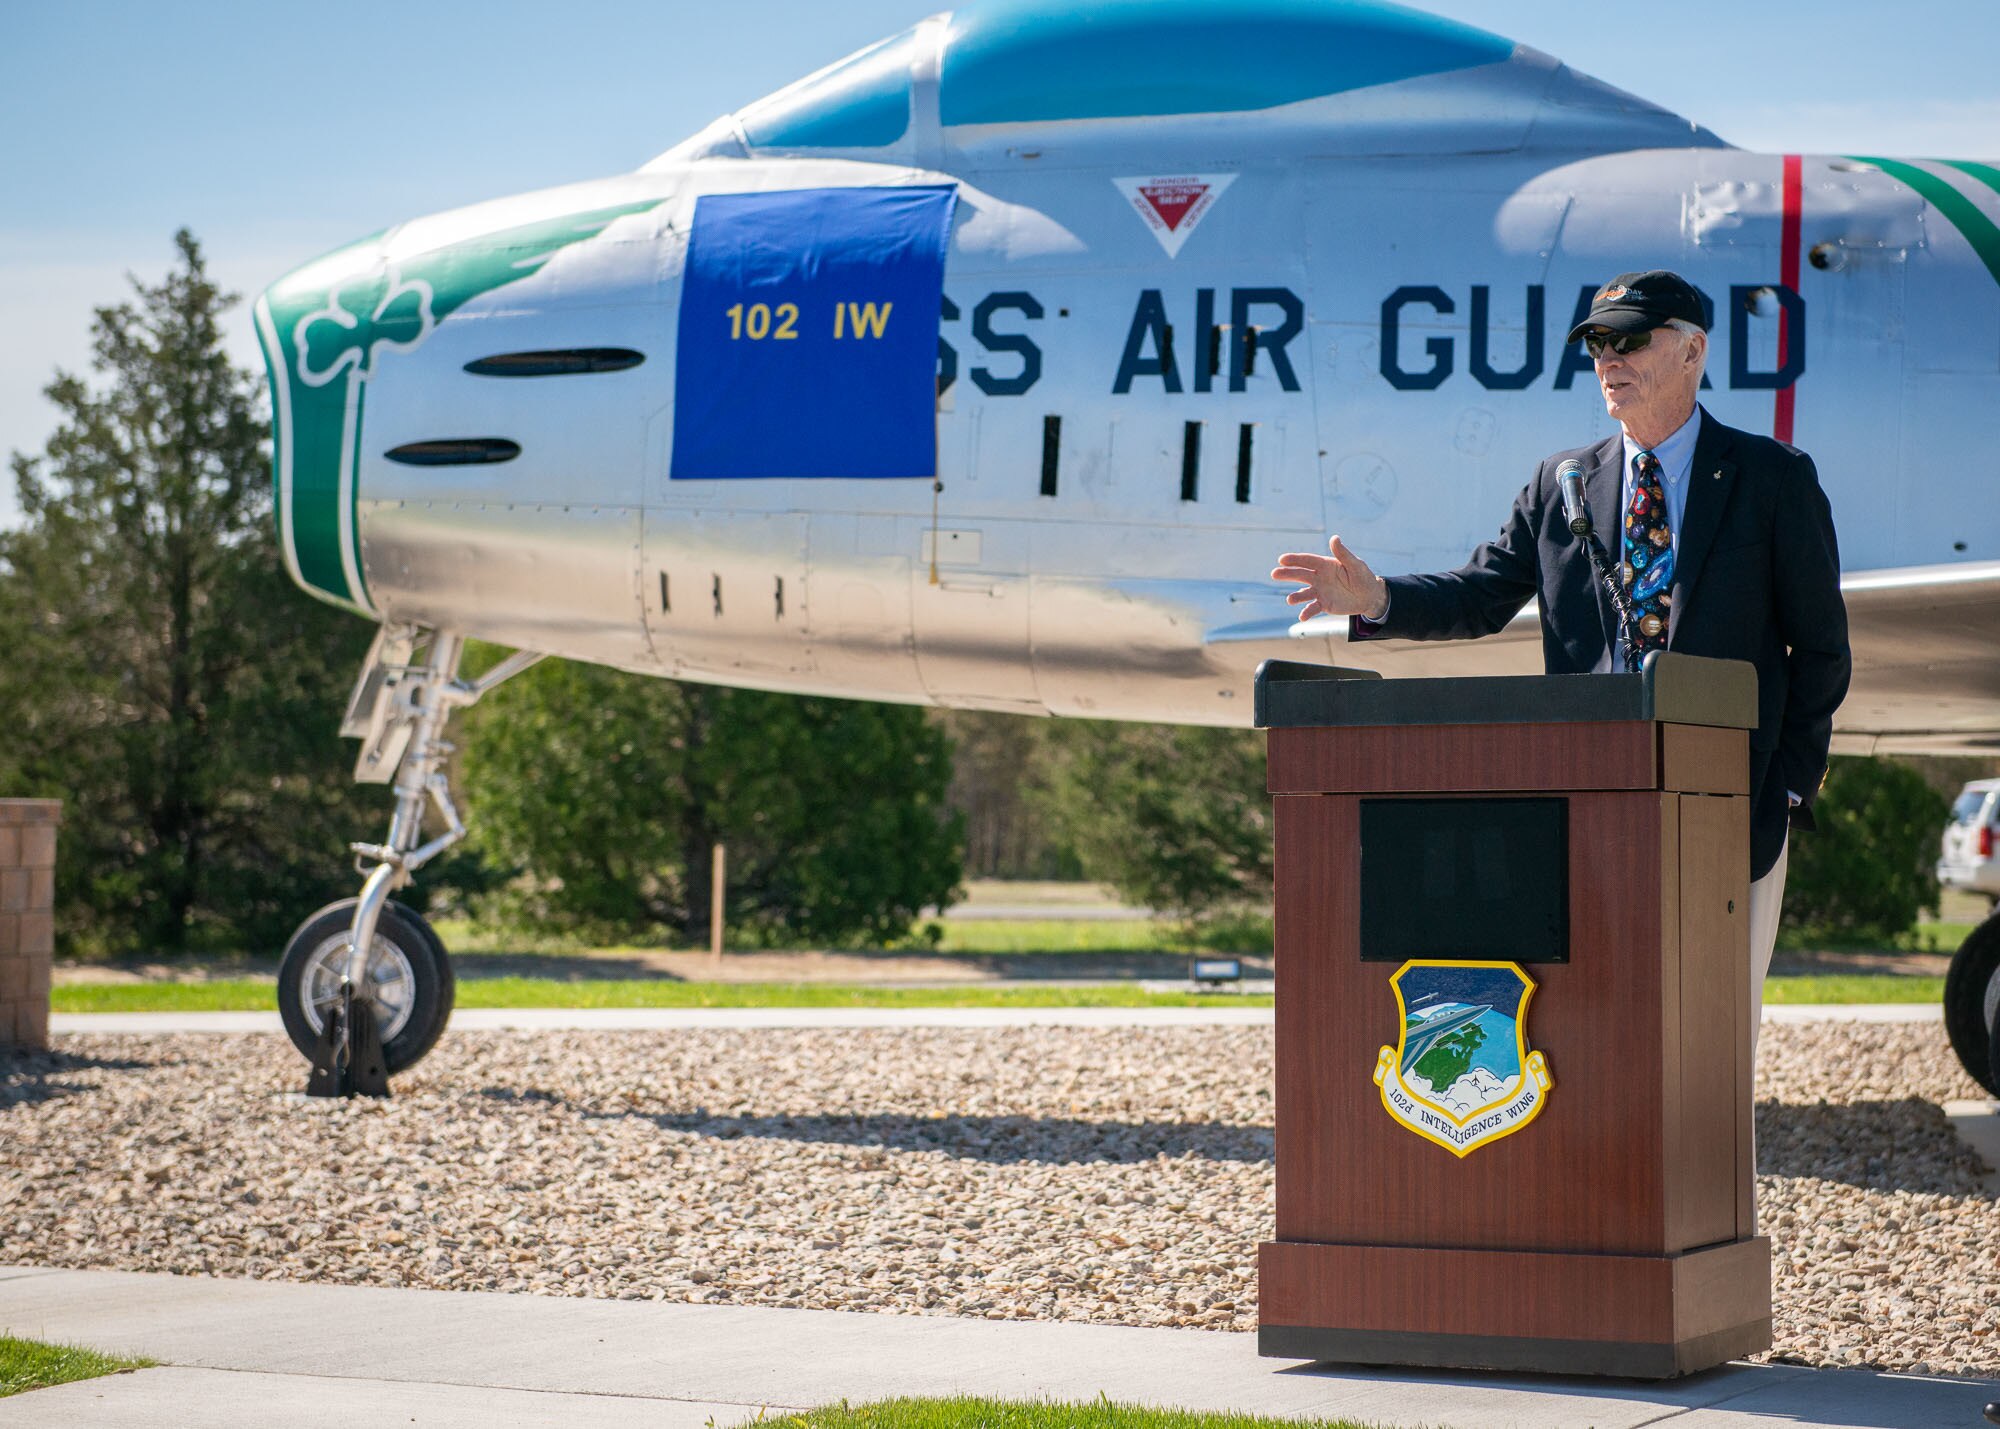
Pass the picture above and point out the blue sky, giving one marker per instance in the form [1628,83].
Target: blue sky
[277,131]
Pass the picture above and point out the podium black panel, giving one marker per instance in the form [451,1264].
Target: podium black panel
[1465,878]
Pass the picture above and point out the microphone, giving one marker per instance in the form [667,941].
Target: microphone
[1569,480]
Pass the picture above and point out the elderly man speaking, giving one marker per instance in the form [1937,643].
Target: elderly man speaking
[1725,548]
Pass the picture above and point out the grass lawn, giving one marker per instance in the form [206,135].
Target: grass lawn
[30,1364]
[1854,987]
[1945,937]
[967,1413]
[1066,935]
[1248,934]
[1250,937]
[246,996]
[1929,936]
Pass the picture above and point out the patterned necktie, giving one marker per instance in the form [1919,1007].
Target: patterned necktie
[1648,571]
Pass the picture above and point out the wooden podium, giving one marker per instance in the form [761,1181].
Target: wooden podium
[1613,1233]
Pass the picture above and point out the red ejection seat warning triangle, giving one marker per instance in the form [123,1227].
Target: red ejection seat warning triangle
[1173,202]
[1172,206]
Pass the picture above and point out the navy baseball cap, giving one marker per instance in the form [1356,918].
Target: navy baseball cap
[1640,302]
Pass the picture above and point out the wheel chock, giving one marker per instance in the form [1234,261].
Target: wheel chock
[347,1058]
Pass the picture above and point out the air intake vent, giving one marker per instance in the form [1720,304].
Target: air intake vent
[455,451]
[559,362]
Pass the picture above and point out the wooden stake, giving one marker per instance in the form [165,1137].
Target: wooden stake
[715,903]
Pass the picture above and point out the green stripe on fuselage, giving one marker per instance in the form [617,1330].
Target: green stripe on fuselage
[1973,226]
[1985,173]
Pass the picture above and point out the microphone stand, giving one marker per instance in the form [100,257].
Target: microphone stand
[1621,598]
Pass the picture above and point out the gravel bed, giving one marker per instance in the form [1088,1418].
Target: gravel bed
[1117,1176]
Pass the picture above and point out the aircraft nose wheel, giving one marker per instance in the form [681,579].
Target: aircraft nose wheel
[1972,1004]
[406,990]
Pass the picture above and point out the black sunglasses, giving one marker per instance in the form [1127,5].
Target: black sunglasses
[1622,343]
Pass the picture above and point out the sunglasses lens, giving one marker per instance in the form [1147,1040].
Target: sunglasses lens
[1624,343]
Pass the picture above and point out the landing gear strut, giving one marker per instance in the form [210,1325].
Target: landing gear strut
[366,988]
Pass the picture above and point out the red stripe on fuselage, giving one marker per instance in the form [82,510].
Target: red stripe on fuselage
[1788,274]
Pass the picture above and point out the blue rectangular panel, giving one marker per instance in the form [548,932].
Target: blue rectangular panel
[809,332]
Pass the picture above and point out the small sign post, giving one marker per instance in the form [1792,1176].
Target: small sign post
[718,883]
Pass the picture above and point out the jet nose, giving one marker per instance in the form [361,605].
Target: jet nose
[331,329]
[323,329]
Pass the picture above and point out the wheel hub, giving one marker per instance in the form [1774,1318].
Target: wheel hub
[388,984]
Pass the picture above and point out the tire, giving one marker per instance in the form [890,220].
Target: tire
[409,980]
[1972,1003]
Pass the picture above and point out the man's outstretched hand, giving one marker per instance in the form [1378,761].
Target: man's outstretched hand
[1338,583]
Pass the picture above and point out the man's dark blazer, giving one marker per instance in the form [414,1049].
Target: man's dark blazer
[1756,577]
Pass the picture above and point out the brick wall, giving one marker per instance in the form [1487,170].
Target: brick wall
[27,917]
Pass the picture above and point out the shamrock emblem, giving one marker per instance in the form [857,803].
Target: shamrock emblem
[361,318]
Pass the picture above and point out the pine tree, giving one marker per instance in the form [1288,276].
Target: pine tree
[1175,818]
[999,783]
[165,680]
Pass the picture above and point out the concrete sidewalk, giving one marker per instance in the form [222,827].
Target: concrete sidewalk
[650,1019]
[244,1353]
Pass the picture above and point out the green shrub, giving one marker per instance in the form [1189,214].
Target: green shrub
[1176,818]
[1868,872]
[606,792]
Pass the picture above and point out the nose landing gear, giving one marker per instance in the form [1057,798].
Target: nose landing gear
[365,988]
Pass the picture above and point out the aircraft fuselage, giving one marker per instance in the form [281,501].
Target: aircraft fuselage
[1131,423]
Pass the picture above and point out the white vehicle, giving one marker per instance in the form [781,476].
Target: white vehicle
[1969,859]
[991,366]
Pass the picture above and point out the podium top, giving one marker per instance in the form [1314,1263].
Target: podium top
[1671,689]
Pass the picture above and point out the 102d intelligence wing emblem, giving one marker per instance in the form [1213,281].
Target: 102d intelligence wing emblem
[1461,1073]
